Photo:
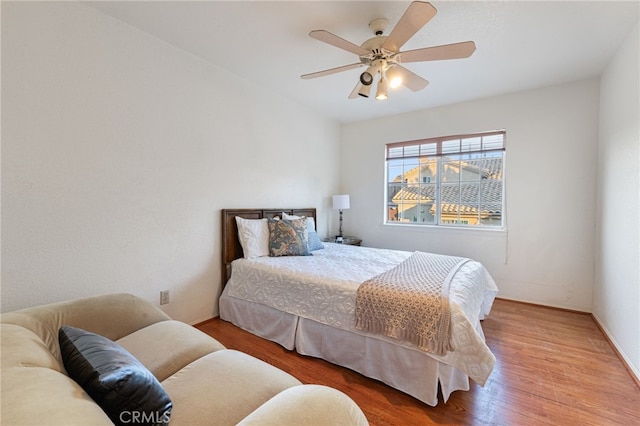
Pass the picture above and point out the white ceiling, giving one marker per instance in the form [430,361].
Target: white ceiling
[520,45]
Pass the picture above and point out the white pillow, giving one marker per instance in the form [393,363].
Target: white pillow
[254,237]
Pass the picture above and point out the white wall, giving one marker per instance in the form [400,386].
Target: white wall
[118,152]
[547,254]
[617,284]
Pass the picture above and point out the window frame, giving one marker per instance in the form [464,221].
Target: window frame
[438,149]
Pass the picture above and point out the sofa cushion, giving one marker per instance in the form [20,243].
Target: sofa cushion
[35,387]
[223,387]
[23,348]
[116,381]
[149,346]
[307,405]
[112,315]
[33,395]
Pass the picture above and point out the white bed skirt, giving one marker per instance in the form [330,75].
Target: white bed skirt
[406,369]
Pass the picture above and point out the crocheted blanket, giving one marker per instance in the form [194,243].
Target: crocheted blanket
[411,301]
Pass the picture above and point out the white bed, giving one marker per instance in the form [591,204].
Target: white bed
[307,303]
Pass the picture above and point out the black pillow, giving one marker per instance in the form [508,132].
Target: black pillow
[119,383]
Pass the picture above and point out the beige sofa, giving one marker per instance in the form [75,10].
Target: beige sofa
[207,383]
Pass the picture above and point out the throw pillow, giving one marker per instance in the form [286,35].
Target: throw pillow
[119,383]
[314,240]
[288,238]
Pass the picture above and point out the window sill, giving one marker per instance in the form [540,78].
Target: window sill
[443,228]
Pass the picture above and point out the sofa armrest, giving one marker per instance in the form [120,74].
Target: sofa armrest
[113,316]
[307,405]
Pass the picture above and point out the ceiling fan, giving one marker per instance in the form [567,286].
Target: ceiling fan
[383,58]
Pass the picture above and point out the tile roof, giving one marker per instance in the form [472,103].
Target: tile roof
[463,197]
[468,193]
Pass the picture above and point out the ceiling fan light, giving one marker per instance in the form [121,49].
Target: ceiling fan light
[395,82]
[366,78]
[381,92]
[364,91]
[394,76]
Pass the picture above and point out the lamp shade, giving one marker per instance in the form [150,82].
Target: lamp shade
[381,93]
[341,202]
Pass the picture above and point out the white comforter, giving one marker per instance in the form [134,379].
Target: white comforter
[323,288]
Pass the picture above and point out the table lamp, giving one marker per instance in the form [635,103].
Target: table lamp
[340,202]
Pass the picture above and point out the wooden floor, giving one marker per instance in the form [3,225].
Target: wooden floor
[553,368]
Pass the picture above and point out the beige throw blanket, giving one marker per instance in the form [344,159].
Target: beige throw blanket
[411,301]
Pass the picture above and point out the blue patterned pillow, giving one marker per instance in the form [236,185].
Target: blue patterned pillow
[288,238]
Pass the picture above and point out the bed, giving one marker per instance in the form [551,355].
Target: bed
[307,304]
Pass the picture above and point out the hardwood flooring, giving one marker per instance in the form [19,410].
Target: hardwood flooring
[553,368]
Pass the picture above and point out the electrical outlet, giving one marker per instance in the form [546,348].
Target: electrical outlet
[164,297]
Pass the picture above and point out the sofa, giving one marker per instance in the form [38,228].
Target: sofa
[207,384]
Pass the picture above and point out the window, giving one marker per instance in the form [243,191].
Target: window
[451,181]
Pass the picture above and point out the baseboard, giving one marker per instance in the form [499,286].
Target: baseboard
[557,308]
[635,375]
[199,323]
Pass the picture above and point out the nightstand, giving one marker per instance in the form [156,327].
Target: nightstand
[351,241]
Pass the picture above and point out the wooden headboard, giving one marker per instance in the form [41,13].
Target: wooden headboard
[231,248]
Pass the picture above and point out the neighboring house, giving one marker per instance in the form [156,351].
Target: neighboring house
[471,192]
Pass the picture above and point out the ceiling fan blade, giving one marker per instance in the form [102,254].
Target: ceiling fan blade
[415,17]
[331,71]
[354,93]
[409,79]
[338,42]
[436,53]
